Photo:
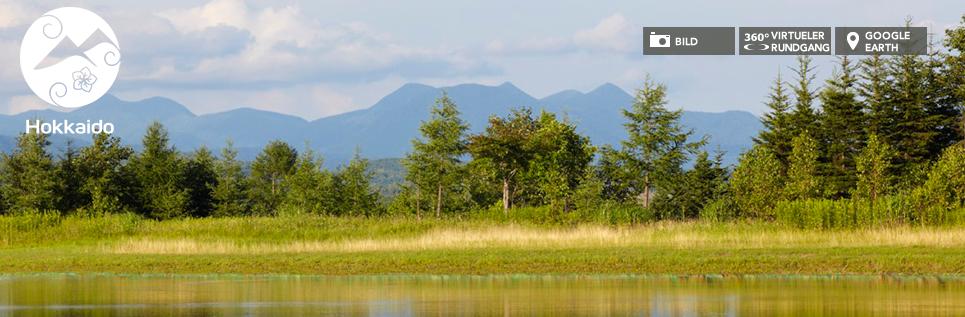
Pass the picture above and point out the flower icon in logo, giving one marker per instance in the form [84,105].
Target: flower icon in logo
[84,80]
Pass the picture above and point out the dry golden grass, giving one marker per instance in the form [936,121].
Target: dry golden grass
[659,235]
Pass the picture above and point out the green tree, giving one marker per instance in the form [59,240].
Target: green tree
[915,129]
[776,135]
[109,183]
[842,132]
[200,179]
[941,198]
[268,172]
[875,90]
[159,171]
[953,81]
[355,194]
[803,180]
[27,175]
[435,162]
[803,118]
[229,193]
[687,196]
[504,147]
[617,179]
[874,170]
[310,188]
[69,181]
[657,144]
[561,160]
[757,182]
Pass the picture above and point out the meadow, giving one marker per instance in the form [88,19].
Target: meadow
[310,244]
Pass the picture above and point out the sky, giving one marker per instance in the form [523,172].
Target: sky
[320,58]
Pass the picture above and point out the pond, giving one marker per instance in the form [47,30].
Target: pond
[411,295]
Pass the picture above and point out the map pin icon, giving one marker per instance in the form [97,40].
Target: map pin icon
[853,39]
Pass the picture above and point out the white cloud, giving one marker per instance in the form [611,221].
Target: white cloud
[613,34]
[14,13]
[21,103]
[288,46]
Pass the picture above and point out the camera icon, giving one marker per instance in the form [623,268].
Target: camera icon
[658,40]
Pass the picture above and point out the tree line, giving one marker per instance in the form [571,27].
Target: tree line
[880,141]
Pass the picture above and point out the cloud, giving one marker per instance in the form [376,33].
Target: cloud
[14,13]
[286,47]
[613,34]
[22,103]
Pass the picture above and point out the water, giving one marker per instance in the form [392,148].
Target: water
[228,295]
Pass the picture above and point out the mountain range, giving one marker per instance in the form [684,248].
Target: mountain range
[384,130]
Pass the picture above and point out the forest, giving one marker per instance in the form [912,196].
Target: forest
[880,142]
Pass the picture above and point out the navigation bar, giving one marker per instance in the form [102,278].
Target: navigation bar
[785,40]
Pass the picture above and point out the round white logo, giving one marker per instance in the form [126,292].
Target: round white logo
[70,57]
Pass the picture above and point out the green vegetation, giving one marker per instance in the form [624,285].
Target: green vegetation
[878,150]
[481,243]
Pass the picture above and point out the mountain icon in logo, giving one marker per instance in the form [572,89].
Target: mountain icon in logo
[70,57]
[66,48]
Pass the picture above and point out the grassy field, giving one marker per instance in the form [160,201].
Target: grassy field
[338,246]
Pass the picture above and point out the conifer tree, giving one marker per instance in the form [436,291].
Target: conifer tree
[875,90]
[160,174]
[268,172]
[776,135]
[657,144]
[230,192]
[435,166]
[914,130]
[69,180]
[310,188]
[842,130]
[355,194]
[27,177]
[803,117]
[109,183]
[200,179]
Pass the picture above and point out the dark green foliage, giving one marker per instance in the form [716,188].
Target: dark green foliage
[309,188]
[109,184]
[160,173]
[778,132]
[687,196]
[355,195]
[230,194]
[200,179]
[842,130]
[803,117]
[268,172]
[71,181]
[27,176]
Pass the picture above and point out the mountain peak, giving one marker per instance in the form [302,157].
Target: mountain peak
[607,88]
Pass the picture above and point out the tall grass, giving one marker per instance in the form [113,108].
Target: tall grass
[889,210]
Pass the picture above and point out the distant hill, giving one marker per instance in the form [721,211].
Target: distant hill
[381,131]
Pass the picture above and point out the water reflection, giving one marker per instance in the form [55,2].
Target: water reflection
[221,295]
